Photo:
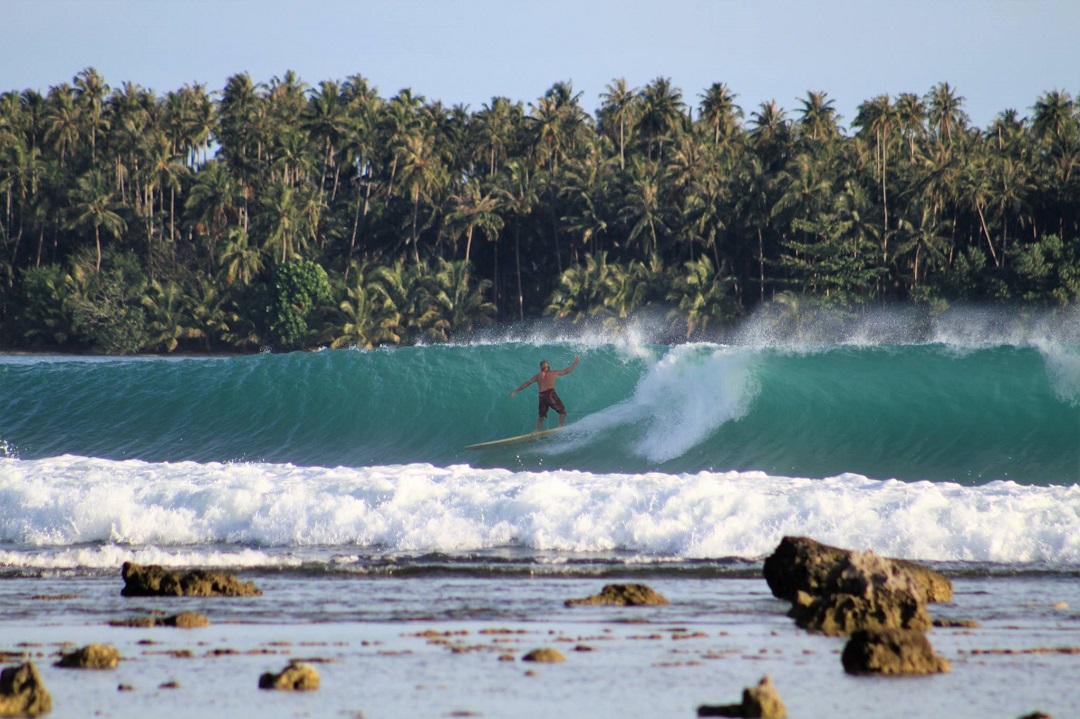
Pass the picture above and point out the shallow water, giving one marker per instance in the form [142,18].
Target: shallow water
[368,637]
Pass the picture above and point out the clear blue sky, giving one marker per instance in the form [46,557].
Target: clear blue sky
[998,54]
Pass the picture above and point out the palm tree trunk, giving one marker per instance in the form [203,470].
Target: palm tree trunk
[517,262]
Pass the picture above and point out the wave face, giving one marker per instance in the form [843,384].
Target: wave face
[970,414]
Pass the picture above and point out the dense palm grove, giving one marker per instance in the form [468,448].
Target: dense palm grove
[289,216]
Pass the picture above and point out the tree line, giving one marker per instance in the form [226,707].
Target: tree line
[288,216]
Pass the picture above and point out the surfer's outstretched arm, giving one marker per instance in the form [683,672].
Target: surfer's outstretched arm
[524,384]
[569,369]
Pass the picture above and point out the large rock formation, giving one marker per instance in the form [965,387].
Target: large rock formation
[622,595]
[863,591]
[295,677]
[762,701]
[22,692]
[891,651]
[155,581]
[92,656]
[803,564]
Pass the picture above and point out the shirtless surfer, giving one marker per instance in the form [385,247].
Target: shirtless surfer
[545,380]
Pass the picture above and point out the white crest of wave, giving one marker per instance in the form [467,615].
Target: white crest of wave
[97,512]
[682,399]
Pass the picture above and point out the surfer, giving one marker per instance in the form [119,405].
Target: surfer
[545,381]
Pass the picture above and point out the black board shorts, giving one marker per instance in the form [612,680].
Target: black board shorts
[548,398]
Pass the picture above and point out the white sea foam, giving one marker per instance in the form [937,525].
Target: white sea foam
[681,399]
[93,512]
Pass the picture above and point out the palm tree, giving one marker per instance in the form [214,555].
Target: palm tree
[719,111]
[474,210]
[239,260]
[62,123]
[819,117]
[93,206]
[643,211]
[494,129]
[662,112]
[452,304]
[518,192]
[702,296]
[619,113]
[90,93]
[945,112]
[282,215]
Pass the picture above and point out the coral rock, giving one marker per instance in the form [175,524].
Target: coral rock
[891,651]
[623,595]
[22,693]
[295,677]
[544,654]
[762,701]
[92,656]
[803,564]
[155,581]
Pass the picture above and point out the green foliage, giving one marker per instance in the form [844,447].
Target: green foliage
[138,222]
[1049,271]
[300,286]
[106,307]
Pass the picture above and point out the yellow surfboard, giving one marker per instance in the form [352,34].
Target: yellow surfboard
[511,441]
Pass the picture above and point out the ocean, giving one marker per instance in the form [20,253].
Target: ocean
[339,482]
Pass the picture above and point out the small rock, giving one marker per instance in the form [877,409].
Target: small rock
[295,677]
[169,685]
[1060,605]
[762,701]
[623,595]
[22,693]
[92,656]
[155,581]
[1037,715]
[544,654]
[125,688]
[891,651]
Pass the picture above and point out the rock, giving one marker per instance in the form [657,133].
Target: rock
[295,677]
[891,651]
[803,564]
[22,693]
[183,620]
[1037,715]
[762,701]
[186,620]
[623,595]
[92,656]
[862,591]
[155,581]
[544,654]
[842,614]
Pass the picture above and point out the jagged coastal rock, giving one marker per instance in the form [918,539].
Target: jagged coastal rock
[92,656]
[295,677]
[864,591]
[22,693]
[891,651]
[623,595]
[804,564]
[155,581]
[762,701]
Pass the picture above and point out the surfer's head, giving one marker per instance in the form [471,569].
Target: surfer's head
[544,365]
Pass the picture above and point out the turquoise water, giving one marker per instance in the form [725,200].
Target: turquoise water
[913,412]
